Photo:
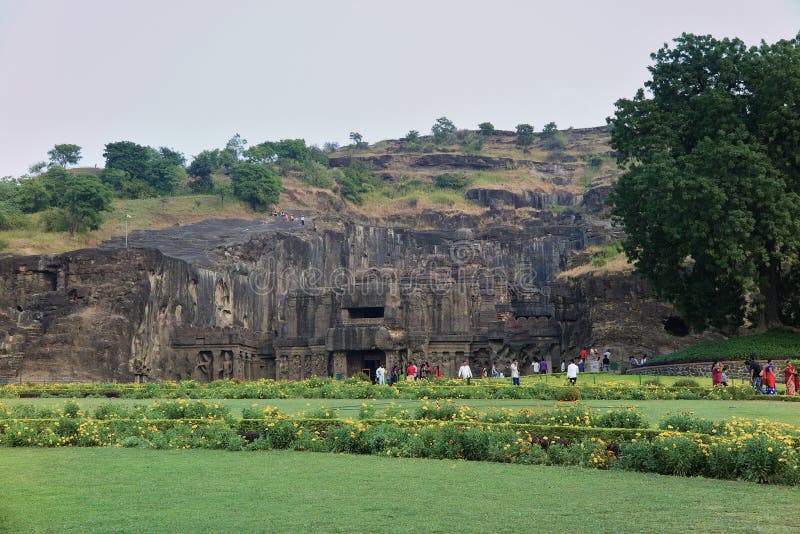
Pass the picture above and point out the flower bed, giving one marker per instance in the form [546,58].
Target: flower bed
[324,388]
[760,451]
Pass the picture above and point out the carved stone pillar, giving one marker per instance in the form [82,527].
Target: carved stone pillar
[282,364]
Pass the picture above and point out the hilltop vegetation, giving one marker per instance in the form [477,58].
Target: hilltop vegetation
[401,177]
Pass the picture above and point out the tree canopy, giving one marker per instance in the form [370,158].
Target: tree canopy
[148,171]
[524,135]
[710,196]
[256,184]
[201,168]
[65,154]
[442,130]
[85,201]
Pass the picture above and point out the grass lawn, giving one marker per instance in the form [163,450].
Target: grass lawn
[653,410]
[130,490]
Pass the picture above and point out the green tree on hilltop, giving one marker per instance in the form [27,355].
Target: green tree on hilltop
[65,155]
[171,156]
[260,153]
[256,185]
[486,128]
[236,145]
[148,171]
[201,168]
[83,204]
[710,196]
[443,130]
[32,195]
[358,140]
[524,135]
[549,130]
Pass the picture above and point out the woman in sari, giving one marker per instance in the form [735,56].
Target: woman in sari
[769,378]
[790,374]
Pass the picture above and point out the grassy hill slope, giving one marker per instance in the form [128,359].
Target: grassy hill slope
[147,213]
[564,167]
[778,344]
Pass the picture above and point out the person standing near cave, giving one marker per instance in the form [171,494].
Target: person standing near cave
[380,375]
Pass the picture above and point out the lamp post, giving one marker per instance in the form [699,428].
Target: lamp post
[126,229]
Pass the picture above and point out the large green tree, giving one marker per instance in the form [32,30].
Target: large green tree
[147,168]
[709,197]
[443,130]
[84,202]
[201,168]
[524,135]
[32,195]
[256,184]
[65,154]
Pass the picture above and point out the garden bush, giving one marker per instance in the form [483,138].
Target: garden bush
[759,451]
[686,383]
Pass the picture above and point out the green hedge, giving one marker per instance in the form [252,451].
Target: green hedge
[358,389]
[747,453]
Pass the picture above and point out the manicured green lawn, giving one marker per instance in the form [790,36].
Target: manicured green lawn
[653,410]
[129,490]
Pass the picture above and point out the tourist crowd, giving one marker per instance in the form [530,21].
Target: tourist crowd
[761,377]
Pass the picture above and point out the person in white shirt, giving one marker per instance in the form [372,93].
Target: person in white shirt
[572,372]
[514,372]
[465,372]
[380,375]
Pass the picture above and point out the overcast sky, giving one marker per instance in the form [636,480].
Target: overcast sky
[190,74]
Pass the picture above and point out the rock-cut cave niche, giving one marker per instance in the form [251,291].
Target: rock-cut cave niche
[676,326]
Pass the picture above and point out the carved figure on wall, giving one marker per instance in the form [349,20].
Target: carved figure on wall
[205,364]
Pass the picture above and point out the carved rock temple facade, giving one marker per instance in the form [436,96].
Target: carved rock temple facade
[240,299]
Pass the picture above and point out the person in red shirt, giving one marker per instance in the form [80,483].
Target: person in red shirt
[411,372]
[436,372]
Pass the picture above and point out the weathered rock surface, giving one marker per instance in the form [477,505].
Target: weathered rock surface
[274,299]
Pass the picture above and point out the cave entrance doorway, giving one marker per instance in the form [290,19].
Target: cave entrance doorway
[365,361]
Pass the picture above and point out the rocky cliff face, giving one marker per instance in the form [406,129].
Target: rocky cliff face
[274,299]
